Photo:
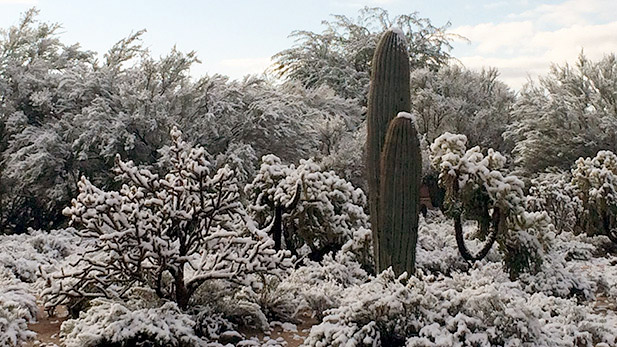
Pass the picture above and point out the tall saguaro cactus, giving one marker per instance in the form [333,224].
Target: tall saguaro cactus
[389,94]
[401,176]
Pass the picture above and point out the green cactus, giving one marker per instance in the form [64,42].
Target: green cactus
[389,94]
[401,176]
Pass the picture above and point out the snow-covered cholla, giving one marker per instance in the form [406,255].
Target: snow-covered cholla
[475,184]
[169,232]
[596,180]
[328,213]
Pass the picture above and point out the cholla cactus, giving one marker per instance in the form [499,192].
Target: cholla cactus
[313,209]
[170,233]
[476,184]
[596,180]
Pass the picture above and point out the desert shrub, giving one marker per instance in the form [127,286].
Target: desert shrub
[25,255]
[111,323]
[555,194]
[480,308]
[596,181]
[319,286]
[17,309]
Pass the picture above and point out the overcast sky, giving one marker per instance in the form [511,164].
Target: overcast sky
[519,37]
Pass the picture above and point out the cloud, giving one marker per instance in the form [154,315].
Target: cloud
[497,4]
[527,44]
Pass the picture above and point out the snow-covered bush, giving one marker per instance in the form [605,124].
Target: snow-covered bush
[477,186]
[169,233]
[555,194]
[328,212]
[17,309]
[481,308]
[319,286]
[596,180]
[25,255]
[127,324]
[436,252]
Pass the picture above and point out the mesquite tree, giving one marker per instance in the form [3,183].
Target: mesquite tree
[401,176]
[170,233]
[389,94]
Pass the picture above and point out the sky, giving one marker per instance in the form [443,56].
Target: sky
[521,38]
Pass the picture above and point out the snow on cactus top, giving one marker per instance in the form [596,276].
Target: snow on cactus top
[406,115]
[400,35]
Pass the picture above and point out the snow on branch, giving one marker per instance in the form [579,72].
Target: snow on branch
[169,232]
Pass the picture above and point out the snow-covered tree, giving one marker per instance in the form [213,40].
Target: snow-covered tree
[32,62]
[555,194]
[65,114]
[462,101]
[340,56]
[170,232]
[567,114]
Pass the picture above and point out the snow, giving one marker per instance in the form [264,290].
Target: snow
[406,115]
[399,33]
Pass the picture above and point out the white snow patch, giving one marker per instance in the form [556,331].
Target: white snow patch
[399,32]
[406,115]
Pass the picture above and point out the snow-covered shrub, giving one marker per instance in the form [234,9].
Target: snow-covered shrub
[319,286]
[596,180]
[327,214]
[275,302]
[477,184]
[479,308]
[25,255]
[17,309]
[555,194]
[436,252]
[127,324]
[169,233]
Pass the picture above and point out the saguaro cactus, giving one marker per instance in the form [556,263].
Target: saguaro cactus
[401,176]
[389,94]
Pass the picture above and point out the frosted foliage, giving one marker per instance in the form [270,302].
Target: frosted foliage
[17,309]
[564,271]
[108,322]
[330,211]
[340,55]
[568,113]
[457,100]
[467,309]
[472,168]
[26,254]
[555,194]
[596,180]
[170,233]
[65,114]
[320,286]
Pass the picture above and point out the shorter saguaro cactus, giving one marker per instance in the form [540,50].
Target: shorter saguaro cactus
[389,93]
[401,176]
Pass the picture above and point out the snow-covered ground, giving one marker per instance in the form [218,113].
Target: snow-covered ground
[448,303]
